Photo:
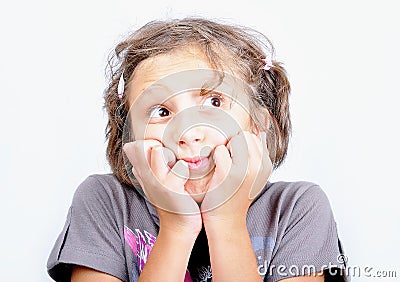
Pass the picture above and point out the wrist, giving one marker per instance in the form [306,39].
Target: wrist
[180,225]
[221,225]
[180,234]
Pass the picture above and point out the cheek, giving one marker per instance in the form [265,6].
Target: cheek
[154,131]
[137,127]
[242,118]
[142,130]
[211,135]
[217,137]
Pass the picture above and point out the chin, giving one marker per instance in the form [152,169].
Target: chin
[197,188]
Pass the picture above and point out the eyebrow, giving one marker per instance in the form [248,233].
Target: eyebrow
[203,88]
[208,86]
[155,86]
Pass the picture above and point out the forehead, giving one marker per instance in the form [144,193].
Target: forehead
[179,68]
[155,68]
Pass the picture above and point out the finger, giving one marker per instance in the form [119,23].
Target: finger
[129,149]
[139,180]
[260,141]
[138,177]
[264,171]
[158,164]
[162,160]
[147,146]
[224,182]
[238,149]
[177,176]
[169,157]
[223,163]
[254,143]
[139,151]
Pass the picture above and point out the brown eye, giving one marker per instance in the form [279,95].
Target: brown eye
[213,101]
[158,112]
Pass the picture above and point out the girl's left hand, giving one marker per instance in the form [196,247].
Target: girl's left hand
[242,169]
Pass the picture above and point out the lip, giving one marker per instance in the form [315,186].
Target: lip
[192,160]
[197,163]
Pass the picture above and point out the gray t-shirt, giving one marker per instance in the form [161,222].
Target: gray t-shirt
[112,228]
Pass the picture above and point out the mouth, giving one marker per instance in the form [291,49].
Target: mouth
[197,163]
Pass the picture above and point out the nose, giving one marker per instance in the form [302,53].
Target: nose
[191,137]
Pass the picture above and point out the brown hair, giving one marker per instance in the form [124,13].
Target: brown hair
[245,49]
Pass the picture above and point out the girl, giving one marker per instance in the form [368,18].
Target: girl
[198,118]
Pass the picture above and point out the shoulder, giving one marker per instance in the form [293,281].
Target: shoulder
[294,198]
[98,183]
[95,187]
[302,225]
[102,190]
[93,234]
[286,192]
[298,190]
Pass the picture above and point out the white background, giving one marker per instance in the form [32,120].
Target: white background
[342,58]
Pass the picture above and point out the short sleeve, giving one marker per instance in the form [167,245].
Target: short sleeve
[91,235]
[310,242]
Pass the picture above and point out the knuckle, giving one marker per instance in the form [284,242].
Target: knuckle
[221,150]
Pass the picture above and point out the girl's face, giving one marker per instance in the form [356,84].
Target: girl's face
[167,104]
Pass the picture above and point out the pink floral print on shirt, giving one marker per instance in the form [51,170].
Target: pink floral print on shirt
[141,245]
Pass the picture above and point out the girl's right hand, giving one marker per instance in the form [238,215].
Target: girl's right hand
[162,179]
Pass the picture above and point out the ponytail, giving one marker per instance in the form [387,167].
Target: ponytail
[274,90]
